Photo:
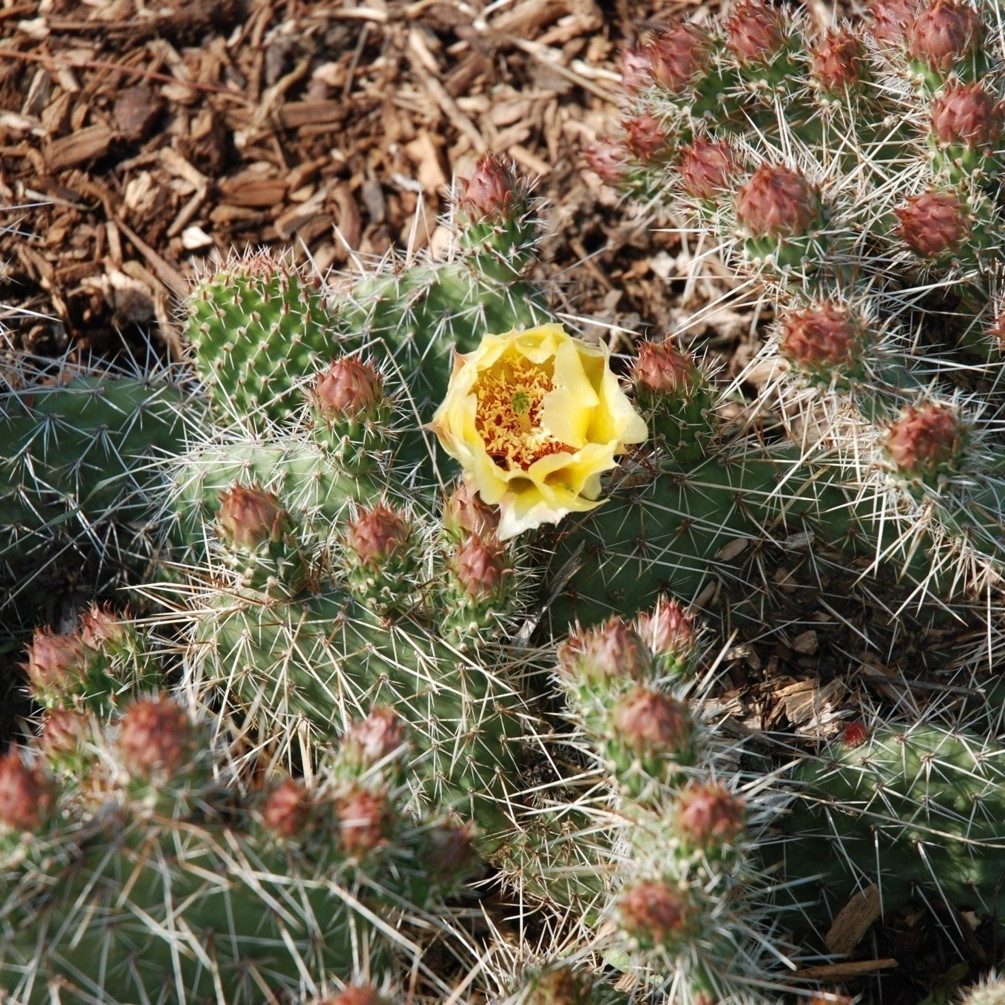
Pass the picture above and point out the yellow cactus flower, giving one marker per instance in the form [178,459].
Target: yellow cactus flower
[535,417]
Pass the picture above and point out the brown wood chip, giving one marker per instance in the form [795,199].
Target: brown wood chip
[854,920]
[79,147]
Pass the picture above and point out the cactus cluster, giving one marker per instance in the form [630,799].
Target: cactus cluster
[422,697]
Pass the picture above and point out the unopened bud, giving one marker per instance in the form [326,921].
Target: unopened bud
[655,912]
[854,734]
[943,32]
[100,626]
[678,56]
[755,31]
[708,816]
[26,794]
[156,736]
[662,368]
[669,630]
[646,720]
[707,167]
[376,534]
[645,137]
[493,190]
[606,652]
[924,438]
[607,158]
[464,512]
[363,821]
[376,737]
[778,202]
[287,809]
[62,732]
[349,389]
[838,60]
[250,517]
[480,566]
[634,66]
[561,985]
[822,335]
[967,115]
[892,19]
[934,223]
[357,994]
[55,662]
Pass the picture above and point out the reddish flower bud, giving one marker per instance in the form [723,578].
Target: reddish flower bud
[377,736]
[891,19]
[824,334]
[480,566]
[669,630]
[561,985]
[644,137]
[755,31]
[349,389]
[934,223]
[450,851]
[646,720]
[357,995]
[707,167]
[634,66]
[287,809]
[778,202]
[708,816]
[155,736]
[678,56]
[464,512]
[838,60]
[250,517]
[100,626]
[854,735]
[924,438]
[662,368]
[967,114]
[62,732]
[943,32]
[607,158]
[376,534]
[655,911]
[605,652]
[362,821]
[26,794]
[493,189]
[55,662]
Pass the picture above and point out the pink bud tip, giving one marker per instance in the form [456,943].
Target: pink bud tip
[778,202]
[644,137]
[62,732]
[708,816]
[824,334]
[655,911]
[55,662]
[362,821]
[934,223]
[376,534]
[349,389]
[662,368]
[968,115]
[605,652]
[943,32]
[648,720]
[854,734]
[493,189]
[100,626]
[155,736]
[838,59]
[891,20]
[634,66]
[480,566]
[357,994]
[678,56]
[669,630]
[924,438]
[607,158]
[26,794]
[377,736]
[287,809]
[755,31]
[250,517]
[707,167]
[464,512]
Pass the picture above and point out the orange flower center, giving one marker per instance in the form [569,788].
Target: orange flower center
[510,397]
